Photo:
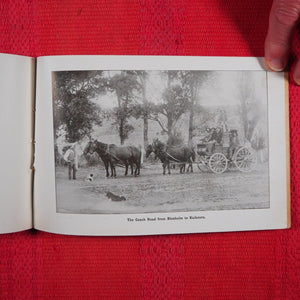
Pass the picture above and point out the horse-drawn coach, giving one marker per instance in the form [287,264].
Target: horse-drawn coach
[221,151]
[217,151]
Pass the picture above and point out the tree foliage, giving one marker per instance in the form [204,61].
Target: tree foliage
[142,77]
[174,105]
[191,83]
[74,111]
[126,87]
[167,110]
[179,97]
[252,114]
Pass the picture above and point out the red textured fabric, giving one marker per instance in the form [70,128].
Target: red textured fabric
[240,265]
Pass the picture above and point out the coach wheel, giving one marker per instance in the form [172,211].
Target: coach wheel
[245,159]
[218,163]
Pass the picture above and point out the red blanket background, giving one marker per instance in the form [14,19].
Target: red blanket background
[241,265]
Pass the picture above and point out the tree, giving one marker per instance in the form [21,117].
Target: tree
[141,110]
[191,82]
[252,113]
[74,111]
[174,105]
[179,97]
[142,75]
[126,86]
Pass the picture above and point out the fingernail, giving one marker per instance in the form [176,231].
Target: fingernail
[276,64]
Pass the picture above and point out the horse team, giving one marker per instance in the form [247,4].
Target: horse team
[113,156]
[130,156]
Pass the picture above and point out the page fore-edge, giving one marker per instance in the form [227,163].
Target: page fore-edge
[32,167]
[288,160]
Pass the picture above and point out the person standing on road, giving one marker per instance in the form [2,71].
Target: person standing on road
[71,158]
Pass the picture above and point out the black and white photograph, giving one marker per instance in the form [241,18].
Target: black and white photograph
[159,141]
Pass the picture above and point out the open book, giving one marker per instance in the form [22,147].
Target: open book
[134,145]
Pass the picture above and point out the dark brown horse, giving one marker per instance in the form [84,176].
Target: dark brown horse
[113,155]
[91,147]
[180,154]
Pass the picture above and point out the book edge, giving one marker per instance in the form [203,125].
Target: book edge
[288,160]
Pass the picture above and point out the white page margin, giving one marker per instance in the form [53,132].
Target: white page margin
[46,217]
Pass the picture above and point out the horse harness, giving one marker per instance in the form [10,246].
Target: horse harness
[110,154]
[172,157]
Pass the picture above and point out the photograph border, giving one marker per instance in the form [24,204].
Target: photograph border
[159,163]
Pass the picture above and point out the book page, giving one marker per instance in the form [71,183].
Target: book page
[16,127]
[138,145]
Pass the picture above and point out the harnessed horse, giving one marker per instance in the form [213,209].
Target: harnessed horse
[181,154]
[113,155]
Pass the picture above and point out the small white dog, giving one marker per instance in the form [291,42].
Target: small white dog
[90,177]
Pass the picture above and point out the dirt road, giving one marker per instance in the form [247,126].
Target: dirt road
[154,192]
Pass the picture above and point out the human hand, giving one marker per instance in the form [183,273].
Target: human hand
[284,18]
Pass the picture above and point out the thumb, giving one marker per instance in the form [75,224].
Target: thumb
[284,17]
